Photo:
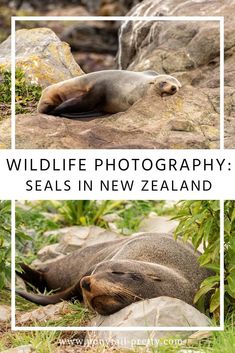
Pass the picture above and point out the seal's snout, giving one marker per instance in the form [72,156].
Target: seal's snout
[173,89]
[86,283]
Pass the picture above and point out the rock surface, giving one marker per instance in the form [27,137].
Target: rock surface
[98,7]
[5,313]
[155,223]
[41,55]
[189,351]
[152,122]
[71,239]
[99,37]
[161,311]
[189,50]
[43,314]
[5,133]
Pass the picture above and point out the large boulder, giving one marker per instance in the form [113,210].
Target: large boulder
[159,224]
[189,50]
[41,55]
[157,312]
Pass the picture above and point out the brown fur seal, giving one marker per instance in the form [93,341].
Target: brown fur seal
[112,275]
[103,92]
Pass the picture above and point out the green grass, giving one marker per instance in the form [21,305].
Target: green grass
[27,95]
[41,341]
[5,297]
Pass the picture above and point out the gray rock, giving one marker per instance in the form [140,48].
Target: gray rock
[5,313]
[161,311]
[160,224]
[37,264]
[20,283]
[21,349]
[43,314]
[49,252]
[70,239]
[111,217]
[84,236]
[41,55]
[98,37]
[5,133]
[188,50]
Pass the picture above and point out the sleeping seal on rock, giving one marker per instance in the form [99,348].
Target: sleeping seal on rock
[103,92]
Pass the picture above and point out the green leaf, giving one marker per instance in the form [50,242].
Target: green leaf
[215,300]
[231,283]
[202,291]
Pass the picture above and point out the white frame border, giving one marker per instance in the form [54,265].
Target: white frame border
[220,19]
[118,18]
[113,328]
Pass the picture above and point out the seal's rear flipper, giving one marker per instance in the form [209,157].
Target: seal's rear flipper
[33,277]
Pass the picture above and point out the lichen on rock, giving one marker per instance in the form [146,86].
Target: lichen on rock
[41,55]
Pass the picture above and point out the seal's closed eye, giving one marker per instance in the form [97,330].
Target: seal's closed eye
[118,273]
[162,84]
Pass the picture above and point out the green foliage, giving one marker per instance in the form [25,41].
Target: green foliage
[35,218]
[200,223]
[86,212]
[5,86]
[5,243]
[134,211]
[229,254]
[27,95]
[31,223]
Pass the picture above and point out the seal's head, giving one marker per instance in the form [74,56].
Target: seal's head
[114,285]
[49,100]
[166,84]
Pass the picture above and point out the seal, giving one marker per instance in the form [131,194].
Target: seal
[109,276]
[103,92]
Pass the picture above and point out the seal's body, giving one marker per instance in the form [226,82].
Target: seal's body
[112,275]
[102,92]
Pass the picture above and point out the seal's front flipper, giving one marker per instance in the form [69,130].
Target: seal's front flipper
[33,277]
[81,104]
